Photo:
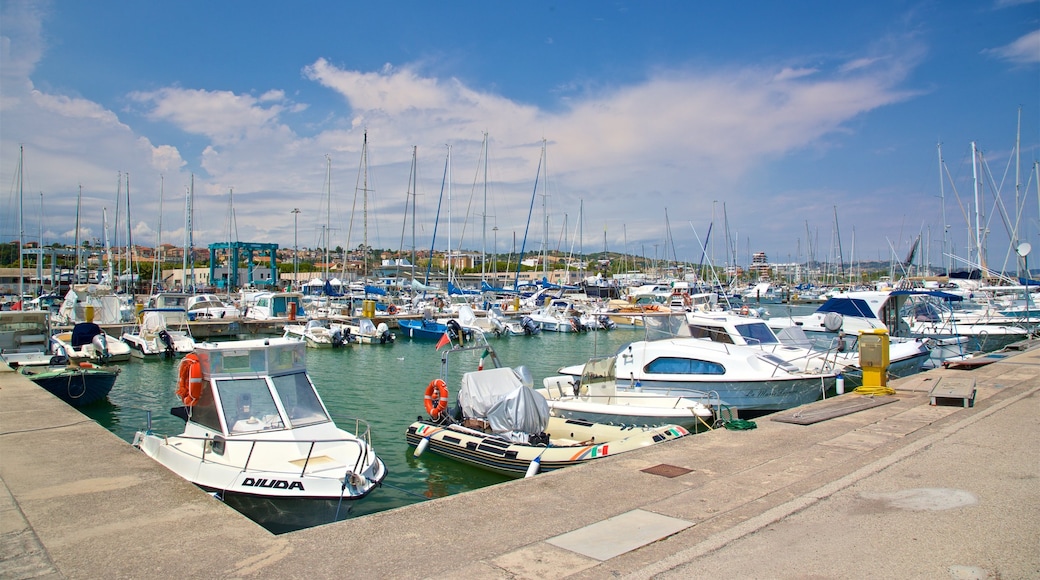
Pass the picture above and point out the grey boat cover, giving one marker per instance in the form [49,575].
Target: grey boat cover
[513,410]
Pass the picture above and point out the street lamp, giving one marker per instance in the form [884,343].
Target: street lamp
[295,253]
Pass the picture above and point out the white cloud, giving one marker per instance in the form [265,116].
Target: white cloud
[1024,50]
[222,116]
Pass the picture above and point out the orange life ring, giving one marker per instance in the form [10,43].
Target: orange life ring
[744,310]
[189,387]
[392,309]
[436,400]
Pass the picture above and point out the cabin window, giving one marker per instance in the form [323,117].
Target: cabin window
[299,399]
[711,333]
[683,366]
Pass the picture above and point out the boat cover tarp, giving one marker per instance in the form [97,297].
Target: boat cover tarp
[417,285]
[366,326]
[497,395]
[152,323]
[328,290]
[455,290]
[370,289]
[489,288]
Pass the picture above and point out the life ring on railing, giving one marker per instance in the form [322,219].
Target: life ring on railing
[744,310]
[436,400]
[189,387]
[391,310]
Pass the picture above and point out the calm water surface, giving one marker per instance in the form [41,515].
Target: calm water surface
[382,384]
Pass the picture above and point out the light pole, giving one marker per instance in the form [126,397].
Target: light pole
[295,251]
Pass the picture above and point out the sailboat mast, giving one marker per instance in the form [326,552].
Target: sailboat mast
[328,213]
[79,202]
[449,178]
[130,286]
[108,247]
[530,211]
[157,261]
[189,239]
[21,228]
[483,229]
[545,215]
[942,201]
[1018,187]
[415,152]
[979,220]
[364,203]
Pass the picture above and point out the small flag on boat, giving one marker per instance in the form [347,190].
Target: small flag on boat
[445,339]
[484,355]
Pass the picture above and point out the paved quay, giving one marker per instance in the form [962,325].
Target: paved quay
[902,490]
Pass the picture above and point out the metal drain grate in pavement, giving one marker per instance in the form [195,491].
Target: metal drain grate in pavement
[665,470]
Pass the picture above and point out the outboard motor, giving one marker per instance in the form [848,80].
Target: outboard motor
[455,330]
[530,326]
[606,322]
[337,338]
[167,341]
[100,343]
[385,336]
[577,325]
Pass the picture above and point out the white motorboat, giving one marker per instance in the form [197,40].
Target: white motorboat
[163,333]
[256,429]
[744,377]
[87,342]
[368,332]
[317,333]
[24,337]
[907,356]
[905,313]
[561,315]
[598,398]
[210,307]
[273,306]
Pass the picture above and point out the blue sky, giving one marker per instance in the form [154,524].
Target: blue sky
[776,126]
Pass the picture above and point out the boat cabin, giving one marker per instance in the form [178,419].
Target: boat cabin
[256,386]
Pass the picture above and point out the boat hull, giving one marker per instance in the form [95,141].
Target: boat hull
[572,443]
[422,329]
[76,386]
[285,473]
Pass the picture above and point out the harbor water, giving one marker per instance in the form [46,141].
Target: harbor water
[381,384]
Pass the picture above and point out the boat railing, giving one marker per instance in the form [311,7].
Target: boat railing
[217,445]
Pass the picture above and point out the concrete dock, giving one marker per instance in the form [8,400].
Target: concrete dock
[904,489]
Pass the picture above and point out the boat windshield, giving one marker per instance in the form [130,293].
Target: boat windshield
[248,406]
[757,333]
[299,399]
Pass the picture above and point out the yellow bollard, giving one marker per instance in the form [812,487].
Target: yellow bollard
[873,357]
